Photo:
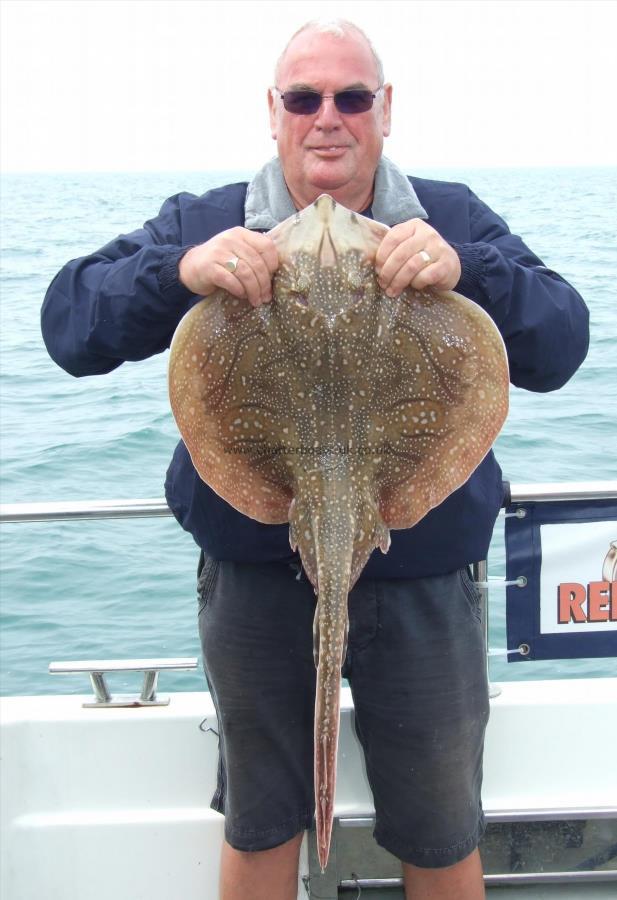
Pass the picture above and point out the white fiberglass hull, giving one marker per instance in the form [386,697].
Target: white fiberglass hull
[100,803]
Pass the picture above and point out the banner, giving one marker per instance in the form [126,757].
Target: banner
[563,556]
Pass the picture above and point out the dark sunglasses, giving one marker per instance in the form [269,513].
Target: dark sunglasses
[306,103]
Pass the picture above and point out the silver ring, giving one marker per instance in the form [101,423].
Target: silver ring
[425,256]
[232,264]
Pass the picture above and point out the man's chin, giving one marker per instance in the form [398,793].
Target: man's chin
[328,179]
[338,181]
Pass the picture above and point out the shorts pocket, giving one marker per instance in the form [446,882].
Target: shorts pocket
[206,581]
[472,593]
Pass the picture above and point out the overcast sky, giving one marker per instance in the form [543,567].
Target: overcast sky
[181,84]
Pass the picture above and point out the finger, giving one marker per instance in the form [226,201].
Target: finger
[433,275]
[393,263]
[252,265]
[393,239]
[227,281]
[238,239]
[443,273]
[265,246]
[401,269]
[245,274]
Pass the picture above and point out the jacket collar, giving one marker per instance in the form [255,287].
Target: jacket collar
[268,201]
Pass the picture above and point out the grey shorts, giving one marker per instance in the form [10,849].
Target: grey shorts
[416,668]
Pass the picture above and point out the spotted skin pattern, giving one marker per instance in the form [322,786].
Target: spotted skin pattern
[338,410]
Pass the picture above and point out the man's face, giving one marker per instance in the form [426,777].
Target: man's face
[329,152]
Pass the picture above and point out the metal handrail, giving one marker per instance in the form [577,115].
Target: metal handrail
[128,509]
[97,669]
[574,490]
[83,509]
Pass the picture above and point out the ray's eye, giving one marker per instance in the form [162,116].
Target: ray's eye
[300,289]
[356,286]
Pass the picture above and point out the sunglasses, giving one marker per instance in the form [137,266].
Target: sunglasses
[306,103]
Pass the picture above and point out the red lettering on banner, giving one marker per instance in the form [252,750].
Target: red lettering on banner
[571,599]
[600,599]
[598,595]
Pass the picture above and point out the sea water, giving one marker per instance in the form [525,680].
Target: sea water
[126,588]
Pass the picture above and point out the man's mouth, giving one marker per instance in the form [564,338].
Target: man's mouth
[333,150]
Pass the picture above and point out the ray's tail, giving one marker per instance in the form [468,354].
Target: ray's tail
[334,548]
[327,709]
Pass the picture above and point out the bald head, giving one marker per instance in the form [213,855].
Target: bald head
[338,28]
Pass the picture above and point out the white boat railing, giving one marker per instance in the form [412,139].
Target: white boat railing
[128,509]
[64,510]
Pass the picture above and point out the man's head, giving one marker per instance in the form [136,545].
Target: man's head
[329,151]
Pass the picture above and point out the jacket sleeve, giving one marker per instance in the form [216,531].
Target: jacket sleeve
[543,320]
[122,302]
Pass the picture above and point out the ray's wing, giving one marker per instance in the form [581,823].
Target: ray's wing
[224,410]
[443,406]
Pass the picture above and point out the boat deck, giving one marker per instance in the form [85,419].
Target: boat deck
[519,892]
[138,781]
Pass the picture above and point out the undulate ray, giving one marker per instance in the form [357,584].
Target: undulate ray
[339,410]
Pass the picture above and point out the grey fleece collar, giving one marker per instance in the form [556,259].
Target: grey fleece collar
[268,201]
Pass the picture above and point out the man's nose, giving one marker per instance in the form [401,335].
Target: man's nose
[327,115]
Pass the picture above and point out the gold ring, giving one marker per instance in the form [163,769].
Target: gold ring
[232,264]
[425,256]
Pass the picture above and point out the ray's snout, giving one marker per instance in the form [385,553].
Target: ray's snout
[325,205]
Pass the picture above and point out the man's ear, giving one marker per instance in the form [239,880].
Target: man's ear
[272,110]
[387,109]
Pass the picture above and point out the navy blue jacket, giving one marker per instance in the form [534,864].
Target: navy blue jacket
[124,302]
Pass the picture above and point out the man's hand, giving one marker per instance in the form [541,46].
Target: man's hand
[203,268]
[414,254]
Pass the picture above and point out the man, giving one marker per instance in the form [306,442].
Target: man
[416,654]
